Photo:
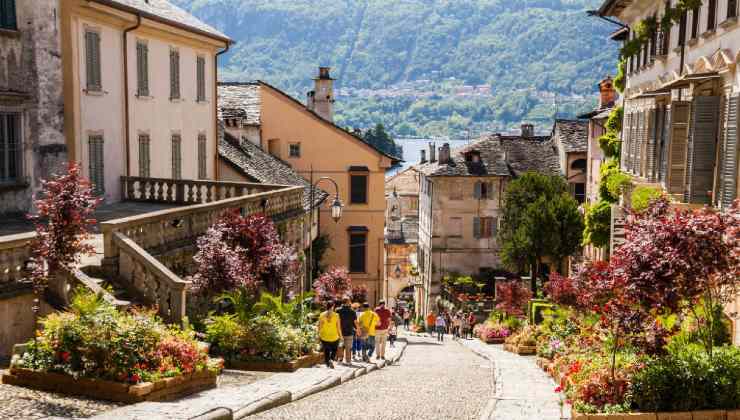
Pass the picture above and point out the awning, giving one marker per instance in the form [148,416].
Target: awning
[653,94]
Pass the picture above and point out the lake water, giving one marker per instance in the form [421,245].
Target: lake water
[412,151]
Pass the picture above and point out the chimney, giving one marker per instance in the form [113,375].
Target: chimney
[444,154]
[432,150]
[423,156]
[321,99]
[607,93]
[527,130]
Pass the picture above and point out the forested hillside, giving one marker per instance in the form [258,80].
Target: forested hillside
[406,63]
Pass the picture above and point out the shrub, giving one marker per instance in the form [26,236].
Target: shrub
[512,297]
[643,195]
[332,285]
[598,224]
[619,79]
[359,293]
[610,144]
[614,122]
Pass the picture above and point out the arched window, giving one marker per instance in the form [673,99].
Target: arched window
[579,165]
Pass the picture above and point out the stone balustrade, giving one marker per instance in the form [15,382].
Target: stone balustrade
[15,251]
[186,191]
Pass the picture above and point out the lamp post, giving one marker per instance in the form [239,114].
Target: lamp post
[336,214]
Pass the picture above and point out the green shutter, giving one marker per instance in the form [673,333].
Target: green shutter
[476,228]
[176,157]
[202,156]
[702,149]
[7,15]
[174,74]
[678,144]
[201,78]
[144,156]
[96,164]
[142,55]
[92,61]
[728,173]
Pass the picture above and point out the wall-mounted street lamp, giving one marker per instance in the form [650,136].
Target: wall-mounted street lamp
[336,214]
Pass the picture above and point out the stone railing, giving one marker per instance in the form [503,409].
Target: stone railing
[15,251]
[185,191]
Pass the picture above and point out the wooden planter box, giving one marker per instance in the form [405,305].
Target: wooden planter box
[525,350]
[269,366]
[509,347]
[495,340]
[684,415]
[166,389]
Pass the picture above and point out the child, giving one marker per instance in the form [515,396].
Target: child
[392,333]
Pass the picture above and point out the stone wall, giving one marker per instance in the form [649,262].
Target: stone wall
[16,319]
[31,85]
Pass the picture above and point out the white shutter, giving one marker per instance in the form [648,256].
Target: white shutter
[728,171]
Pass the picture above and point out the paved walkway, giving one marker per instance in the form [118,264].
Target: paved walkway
[523,391]
[431,381]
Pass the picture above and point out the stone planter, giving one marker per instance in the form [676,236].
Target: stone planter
[684,415]
[270,366]
[166,389]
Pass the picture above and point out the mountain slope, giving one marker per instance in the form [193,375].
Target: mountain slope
[544,47]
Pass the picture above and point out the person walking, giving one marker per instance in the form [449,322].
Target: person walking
[464,326]
[348,322]
[381,332]
[356,347]
[368,322]
[329,333]
[456,325]
[441,324]
[431,323]
[471,324]
[406,319]
[392,334]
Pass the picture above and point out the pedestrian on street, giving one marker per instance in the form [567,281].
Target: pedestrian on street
[329,333]
[431,323]
[456,323]
[464,326]
[441,324]
[406,319]
[392,334]
[381,333]
[356,342]
[471,324]
[368,322]
[348,322]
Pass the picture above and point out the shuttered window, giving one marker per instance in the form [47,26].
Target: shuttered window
[174,74]
[624,155]
[97,164]
[358,252]
[202,156]
[729,155]
[144,156]
[92,61]
[7,15]
[665,143]
[201,78]
[655,119]
[702,149]
[711,14]
[695,22]
[142,68]
[10,148]
[678,143]
[484,227]
[176,157]
[358,189]
[483,190]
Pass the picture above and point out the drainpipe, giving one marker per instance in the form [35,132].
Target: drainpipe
[125,91]
[215,110]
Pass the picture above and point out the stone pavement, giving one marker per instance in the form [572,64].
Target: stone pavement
[235,402]
[432,381]
[523,391]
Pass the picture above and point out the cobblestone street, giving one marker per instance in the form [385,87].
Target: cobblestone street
[431,381]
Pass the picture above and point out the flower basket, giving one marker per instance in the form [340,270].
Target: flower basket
[165,389]
[275,366]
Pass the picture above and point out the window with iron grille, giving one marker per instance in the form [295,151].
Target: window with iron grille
[97,164]
[92,61]
[7,15]
[201,78]
[142,68]
[711,15]
[144,156]
[174,74]
[176,156]
[10,148]
[202,156]
[731,9]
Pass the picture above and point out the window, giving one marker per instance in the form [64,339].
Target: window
[144,156]
[483,190]
[10,148]
[711,15]
[358,189]
[413,203]
[579,192]
[92,61]
[202,156]
[455,227]
[174,74]
[579,165]
[142,68]
[7,15]
[201,78]
[695,22]
[97,162]
[731,9]
[176,157]
[358,252]
[484,227]
[294,150]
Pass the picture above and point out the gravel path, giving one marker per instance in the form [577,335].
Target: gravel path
[22,403]
[431,381]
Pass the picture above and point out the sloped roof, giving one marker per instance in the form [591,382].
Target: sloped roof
[261,166]
[572,134]
[403,182]
[165,11]
[499,156]
[240,100]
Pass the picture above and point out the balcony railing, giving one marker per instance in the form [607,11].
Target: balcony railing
[184,191]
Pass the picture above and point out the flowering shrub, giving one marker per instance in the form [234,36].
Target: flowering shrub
[95,340]
[332,285]
[512,297]
[359,293]
[562,290]
[488,332]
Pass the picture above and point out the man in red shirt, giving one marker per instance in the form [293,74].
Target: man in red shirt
[381,332]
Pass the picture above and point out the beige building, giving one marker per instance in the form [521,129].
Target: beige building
[681,104]
[139,91]
[304,137]
[570,138]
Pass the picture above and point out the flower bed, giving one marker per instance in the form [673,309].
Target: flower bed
[276,366]
[97,351]
[491,333]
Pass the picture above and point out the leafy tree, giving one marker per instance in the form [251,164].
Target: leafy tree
[380,138]
[512,297]
[540,219]
[62,225]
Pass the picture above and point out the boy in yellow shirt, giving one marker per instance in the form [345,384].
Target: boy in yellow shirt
[368,321]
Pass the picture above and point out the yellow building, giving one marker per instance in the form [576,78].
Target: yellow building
[305,137]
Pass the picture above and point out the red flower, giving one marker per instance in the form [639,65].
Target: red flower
[65,356]
[559,389]
[135,378]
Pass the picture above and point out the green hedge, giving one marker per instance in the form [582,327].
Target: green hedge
[535,308]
